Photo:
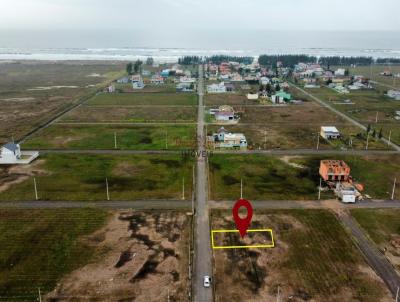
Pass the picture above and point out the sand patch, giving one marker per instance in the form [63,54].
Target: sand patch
[16,174]
[137,265]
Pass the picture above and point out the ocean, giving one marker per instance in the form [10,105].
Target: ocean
[168,46]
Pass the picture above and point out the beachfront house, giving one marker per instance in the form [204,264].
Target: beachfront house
[394,94]
[281,97]
[329,132]
[11,153]
[157,80]
[224,139]
[216,88]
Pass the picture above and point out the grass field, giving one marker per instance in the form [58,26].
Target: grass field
[373,73]
[376,172]
[23,108]
[132,137]
[364,106]
[169,87]
[274,178]
[383,227]
[137,114]
[314,260]
[264,178]
[127,99]
[300,136]
[82,177]
[39,246]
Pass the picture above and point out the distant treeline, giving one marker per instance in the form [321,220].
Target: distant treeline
[388,60]
[291,60]
[345,61]
[217,59]
[189,60]
[287,60]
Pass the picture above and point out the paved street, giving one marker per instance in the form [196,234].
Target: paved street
[374,257]
[202,252]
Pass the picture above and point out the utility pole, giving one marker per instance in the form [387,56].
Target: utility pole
[278,296]
[317,141]
[166,139]
[376,118]
[319,189]
[108,193]
[115,140]
[394,188]
[390,135]
[40,295]
[34,185]
[366,147]
[193,181]
[397,294]
[183,188]
[168,295]
[265,139]
[241,188]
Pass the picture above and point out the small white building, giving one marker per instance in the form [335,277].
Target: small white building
[138,85]
[224,139]
[252,96]
[395,94]
[330,132]
[340,72]
[216,88]
[11,153]
[187,80]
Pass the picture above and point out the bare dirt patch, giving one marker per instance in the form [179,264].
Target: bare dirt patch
[141,256]
[256,274]
[12,175]
[126,169]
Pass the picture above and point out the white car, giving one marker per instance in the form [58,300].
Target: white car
[206,281]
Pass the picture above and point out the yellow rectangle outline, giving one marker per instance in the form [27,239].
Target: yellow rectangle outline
[242,246]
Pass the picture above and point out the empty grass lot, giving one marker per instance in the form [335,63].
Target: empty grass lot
[129,137]
[38,247]
[131,99]
[82,177]
[383,227]
[364,106]
[130,114]
[376,172]
[313,260]
[272,178]
[264,178]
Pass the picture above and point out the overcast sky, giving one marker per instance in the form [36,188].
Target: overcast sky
[161,15]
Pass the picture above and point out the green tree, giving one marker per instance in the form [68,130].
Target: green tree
[137,66]
[277,87]
[374,133]
[380,135]
[129,68]
[149,61]
[369,128]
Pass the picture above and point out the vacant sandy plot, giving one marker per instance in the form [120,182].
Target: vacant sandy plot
[313,260]
[144,257]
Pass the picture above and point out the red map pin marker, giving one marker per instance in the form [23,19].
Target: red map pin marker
[242,224]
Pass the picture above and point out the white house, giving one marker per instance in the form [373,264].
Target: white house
[216,88]
[157,80]
[224,116]
[11,153]
[329,132]
[340,72]
[395,94]
[224,139]
[138,85]
[187,80]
